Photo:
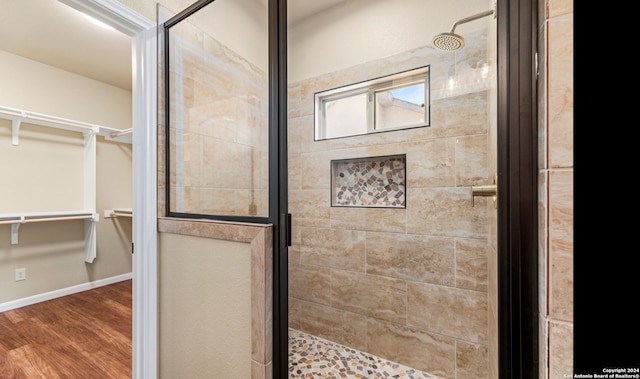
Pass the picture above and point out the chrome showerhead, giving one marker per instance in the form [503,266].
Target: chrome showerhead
[452,41]
[448,41]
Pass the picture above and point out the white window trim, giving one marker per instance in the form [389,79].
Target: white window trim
[371,87]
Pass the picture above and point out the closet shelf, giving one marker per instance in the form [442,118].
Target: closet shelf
[17,116]
[90,133]
[17,219]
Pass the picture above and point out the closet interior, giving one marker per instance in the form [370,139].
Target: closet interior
[66,216]
[88,212]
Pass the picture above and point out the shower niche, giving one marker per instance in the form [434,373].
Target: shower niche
[377,182]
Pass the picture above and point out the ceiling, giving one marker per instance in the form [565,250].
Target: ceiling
[55,34]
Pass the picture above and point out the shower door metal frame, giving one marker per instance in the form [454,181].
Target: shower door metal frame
[278,184]
[517,182]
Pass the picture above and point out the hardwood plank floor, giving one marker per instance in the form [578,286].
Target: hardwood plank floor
[84,335]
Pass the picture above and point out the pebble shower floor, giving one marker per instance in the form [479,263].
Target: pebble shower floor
[314,357]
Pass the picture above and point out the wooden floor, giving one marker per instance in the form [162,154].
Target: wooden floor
[84,335]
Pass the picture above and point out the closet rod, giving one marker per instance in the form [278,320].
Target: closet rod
[16,220]
[11,113]
[59,218]
[59,122]
[45,118]
[17,116]
[122,212]
[122,133]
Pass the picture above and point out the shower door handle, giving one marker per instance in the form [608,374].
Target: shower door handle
[285,224]
[288,229]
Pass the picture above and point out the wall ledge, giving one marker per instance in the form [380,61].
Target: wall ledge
[260,238]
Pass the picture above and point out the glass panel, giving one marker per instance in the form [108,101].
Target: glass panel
[218,111]
[400,107]
[345,116]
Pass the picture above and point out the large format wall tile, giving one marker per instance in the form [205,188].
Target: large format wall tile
[303,205]
[343,327]
[309,283]
[411,257]
[472,361]
[561,245]
[456,116]
[341,249]
[369,219]
[300,136]
[370,295]
[452,312]
[430,163]
[315,166]
[429,352]
[447,212]
[560,349]
[559,7]
[560,106]
[471,263]
[472,161]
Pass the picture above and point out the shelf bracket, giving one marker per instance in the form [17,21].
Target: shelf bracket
[15,131]
[90,240]
[15,227]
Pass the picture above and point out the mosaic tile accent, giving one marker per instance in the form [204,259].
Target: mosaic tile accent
[314,357]
[369,182]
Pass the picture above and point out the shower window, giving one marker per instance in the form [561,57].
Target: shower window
[398,101]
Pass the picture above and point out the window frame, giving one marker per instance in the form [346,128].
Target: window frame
[419,75]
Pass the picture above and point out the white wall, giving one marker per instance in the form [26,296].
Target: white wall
[358,31]
[37,87]
[349,33]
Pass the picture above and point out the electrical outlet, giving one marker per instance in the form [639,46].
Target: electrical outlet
[21,274]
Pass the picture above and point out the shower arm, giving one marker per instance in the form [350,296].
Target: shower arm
[471,18]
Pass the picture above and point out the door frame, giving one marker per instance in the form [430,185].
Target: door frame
[517,160]
[143,35]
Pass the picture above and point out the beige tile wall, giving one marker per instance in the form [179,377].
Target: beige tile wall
[556,188]
[410,284]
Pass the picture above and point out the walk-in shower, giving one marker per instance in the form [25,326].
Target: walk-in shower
[450,41]
[390,256]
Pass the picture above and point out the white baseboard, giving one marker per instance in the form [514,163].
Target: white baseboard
[62,292]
